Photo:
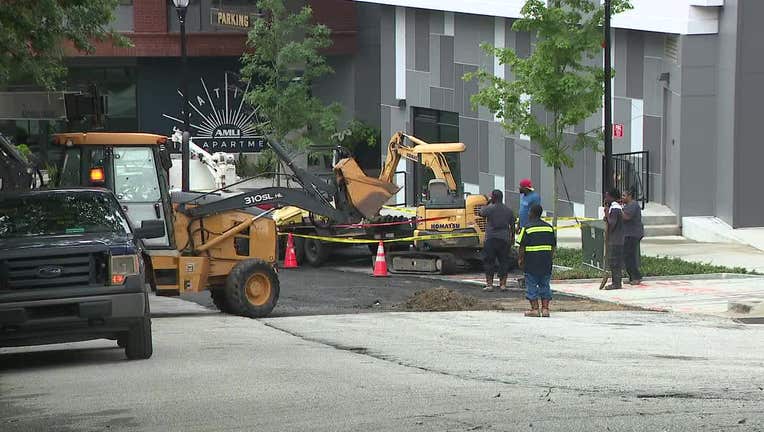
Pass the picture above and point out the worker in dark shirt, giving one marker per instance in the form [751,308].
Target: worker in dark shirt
[537,243]
[499,230]
[633,231]
[615,236]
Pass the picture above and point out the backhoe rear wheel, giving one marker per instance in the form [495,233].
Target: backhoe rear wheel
[252,289]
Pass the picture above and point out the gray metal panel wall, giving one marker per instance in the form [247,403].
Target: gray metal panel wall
[749,152]
[726,82]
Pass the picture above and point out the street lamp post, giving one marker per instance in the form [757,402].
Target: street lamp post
[181,6]
[607,175]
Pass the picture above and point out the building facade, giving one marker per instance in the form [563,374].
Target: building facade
[142,82]
[688,78]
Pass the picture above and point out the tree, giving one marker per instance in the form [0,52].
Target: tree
[284,62]
[561,76]
[34,33]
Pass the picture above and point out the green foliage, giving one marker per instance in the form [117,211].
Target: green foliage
[357,135]
[24,150]
[34,33]
[283,64]
[561,75]
[650,266]
[359,138]
[263,166]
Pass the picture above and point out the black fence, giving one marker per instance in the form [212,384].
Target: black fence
[631,171]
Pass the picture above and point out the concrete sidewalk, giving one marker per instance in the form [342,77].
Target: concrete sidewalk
[723,254]
[711,295]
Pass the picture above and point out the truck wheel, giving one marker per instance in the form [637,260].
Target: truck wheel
[252,289]
[316,252]
[219,299]
[138,344]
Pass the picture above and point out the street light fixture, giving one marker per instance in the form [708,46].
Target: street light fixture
[181,6]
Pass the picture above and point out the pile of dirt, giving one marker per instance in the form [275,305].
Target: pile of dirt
[442,300]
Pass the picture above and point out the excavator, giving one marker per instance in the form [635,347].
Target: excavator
[443,212]
[452,219]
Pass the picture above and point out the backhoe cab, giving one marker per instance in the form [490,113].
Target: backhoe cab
[230,250]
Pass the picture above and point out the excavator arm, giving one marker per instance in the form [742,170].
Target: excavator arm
[430,155]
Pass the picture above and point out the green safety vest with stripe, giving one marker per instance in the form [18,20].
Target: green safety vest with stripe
[539,240]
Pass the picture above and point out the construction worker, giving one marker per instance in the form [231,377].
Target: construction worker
[537,243]
[499,230]
[615,236]
[528,198]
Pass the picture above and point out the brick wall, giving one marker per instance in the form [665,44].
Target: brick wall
[150,16]
[151,38]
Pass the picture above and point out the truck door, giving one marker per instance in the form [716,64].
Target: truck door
[136,185]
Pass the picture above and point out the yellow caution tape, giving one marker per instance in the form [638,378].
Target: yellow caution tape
[362,241]
[351,240]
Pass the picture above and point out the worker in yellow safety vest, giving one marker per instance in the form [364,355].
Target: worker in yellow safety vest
[537,242]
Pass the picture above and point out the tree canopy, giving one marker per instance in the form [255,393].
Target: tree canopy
[561,75]
[33,34]
[283,63]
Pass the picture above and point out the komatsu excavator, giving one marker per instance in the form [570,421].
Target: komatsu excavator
[449,233]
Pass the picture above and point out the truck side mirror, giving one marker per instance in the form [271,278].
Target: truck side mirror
[150,229]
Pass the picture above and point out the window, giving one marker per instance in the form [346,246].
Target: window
[70,170]
[60,214]
[436,126]
[135,175]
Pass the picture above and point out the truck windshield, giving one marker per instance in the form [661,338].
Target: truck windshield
[60,213]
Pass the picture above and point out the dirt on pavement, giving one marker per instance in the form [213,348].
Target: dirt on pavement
[443,299]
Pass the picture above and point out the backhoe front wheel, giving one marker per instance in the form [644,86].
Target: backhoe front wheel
[252,289]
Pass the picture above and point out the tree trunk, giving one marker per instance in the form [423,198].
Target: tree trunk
[556,196]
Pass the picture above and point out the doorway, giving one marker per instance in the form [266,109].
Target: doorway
[435,126]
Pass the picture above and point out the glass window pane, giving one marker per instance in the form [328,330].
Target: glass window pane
[70,171]
[135,176]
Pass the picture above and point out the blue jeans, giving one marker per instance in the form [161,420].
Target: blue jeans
[537,287]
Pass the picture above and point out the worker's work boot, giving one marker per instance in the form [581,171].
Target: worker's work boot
[488,283]
[616,278]
[545,308]
[503,284]
[534,311]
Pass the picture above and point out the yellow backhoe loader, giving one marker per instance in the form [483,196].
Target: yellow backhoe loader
[219,241]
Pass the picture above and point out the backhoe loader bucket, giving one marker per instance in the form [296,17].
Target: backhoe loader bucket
[367,194]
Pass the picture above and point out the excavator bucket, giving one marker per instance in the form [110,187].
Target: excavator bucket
[367,194]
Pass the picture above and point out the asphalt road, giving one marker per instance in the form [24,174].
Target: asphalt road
[327,291]
[462,371]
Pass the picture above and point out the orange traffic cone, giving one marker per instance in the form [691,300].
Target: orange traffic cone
[380,264]
[290,258]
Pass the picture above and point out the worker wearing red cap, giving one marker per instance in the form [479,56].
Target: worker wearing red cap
[528,198]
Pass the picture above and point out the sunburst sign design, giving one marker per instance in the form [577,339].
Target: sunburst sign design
[222,121]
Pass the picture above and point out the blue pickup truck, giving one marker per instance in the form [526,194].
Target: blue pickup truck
[71,270]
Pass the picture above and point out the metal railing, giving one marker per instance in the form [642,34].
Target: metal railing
[631,171]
